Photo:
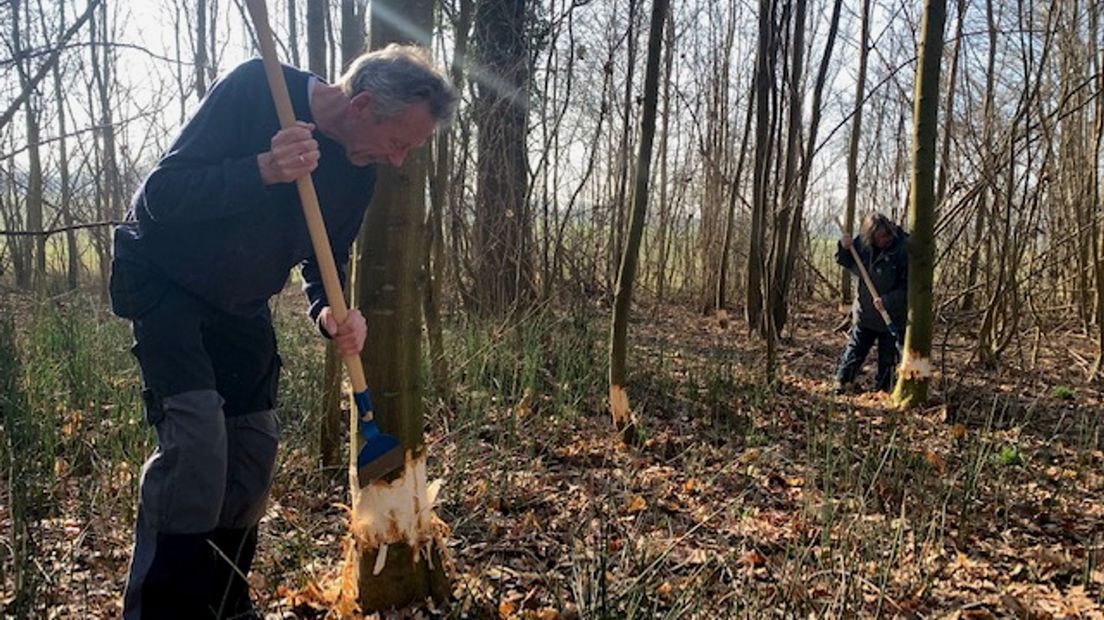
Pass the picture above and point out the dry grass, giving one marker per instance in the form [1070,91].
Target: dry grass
[739,500]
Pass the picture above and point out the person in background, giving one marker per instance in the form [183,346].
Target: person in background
[881,246]
[210,237]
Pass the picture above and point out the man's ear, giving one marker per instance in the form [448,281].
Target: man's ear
[362,103]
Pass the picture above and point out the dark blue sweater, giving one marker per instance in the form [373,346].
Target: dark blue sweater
[204,220]
[888,269]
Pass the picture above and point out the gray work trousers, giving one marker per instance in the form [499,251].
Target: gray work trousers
[210,382]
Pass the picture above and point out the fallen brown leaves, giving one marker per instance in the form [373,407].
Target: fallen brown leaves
[737,500]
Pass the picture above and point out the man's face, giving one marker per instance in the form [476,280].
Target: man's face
[374,140]
[883,238]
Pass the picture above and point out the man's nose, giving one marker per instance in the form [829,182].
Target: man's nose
[396,158]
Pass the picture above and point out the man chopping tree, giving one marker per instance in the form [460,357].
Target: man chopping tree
[879,255]
[210,237]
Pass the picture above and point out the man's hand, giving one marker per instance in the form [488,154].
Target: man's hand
[294,153]
[845,242]
[349,336]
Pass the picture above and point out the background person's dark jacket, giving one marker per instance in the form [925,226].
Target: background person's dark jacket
[888,270]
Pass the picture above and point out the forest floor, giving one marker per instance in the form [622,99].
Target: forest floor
[738,500]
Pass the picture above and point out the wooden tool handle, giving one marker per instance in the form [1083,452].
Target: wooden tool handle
[866,276]
[323,253]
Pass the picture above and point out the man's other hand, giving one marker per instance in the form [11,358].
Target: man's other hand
[349,336]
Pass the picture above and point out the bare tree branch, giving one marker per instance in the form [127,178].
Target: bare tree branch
[48,65]
[54,231]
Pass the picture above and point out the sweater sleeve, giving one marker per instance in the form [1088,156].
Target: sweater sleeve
[844,257]
[341,241]
[211,171]
[313,287]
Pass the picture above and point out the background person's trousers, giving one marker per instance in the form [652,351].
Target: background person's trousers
[859,342]
[210,382]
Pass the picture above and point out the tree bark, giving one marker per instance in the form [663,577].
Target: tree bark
[329,414]
[622,304]
[764,78]
[399,553]
[33,260]
[987,136]
[789,215]
[948,119]
[201,49]
[316,37]
[916,368]
[352,30]
[111,199]
[664,139]
[853,148]
[435,242]
[811,141]
[293,32]
[733,198]
[617,221]
[1097,371]
[503,269]
[72,252]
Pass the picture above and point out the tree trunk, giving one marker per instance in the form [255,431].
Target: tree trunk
[948,119]
[316,37]
[293,32]
[853,149]
[1097,371]
[788,214]
[329,413]
[352,30]
[987,136]
[34,253]
[664,139]
[716,150]
[398,556]
[916,368]
[502,223]
[112,195]
[72,252]
[435,242]
[200,49]
[733,198]
[764,78]
[810,145]
[622,304]
[617,221]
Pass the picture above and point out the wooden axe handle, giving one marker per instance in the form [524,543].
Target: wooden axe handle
[323,253]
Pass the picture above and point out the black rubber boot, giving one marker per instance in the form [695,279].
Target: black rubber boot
[231,590]
[178,584]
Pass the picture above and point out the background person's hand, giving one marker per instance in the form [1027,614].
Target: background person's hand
[845,242]
[349,336]
[293,153]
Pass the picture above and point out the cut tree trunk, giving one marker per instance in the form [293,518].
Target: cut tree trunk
[399,553]
[916,371]
[622,304]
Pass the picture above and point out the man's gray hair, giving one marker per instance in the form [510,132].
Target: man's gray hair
[397,76]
